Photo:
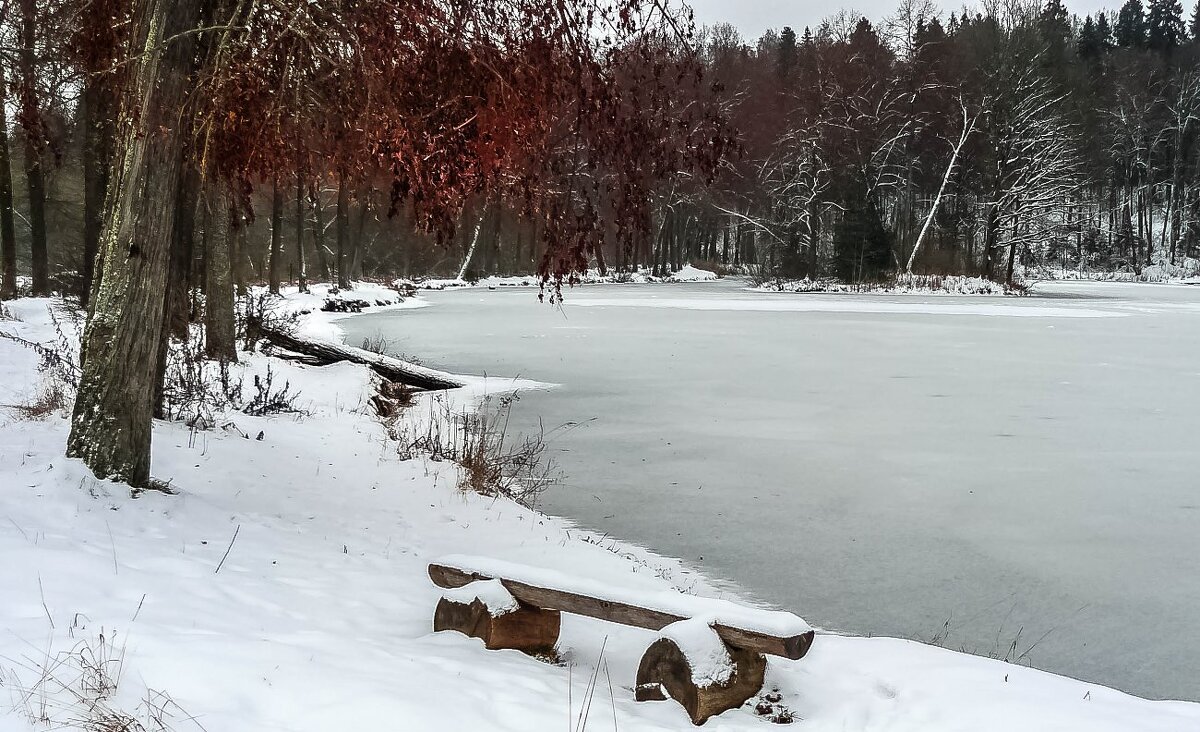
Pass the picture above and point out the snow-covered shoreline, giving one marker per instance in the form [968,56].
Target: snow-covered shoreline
[591,277]
[284,588]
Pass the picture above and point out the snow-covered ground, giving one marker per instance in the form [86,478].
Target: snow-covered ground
[284,588]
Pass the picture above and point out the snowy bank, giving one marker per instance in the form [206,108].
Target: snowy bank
[904,284]
[284,588]
[591,277]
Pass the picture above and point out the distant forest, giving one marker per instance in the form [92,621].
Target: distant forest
[972,142]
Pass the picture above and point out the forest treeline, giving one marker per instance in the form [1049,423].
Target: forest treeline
[951,144]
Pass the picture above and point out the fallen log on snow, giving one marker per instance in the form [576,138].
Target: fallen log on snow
[324,353]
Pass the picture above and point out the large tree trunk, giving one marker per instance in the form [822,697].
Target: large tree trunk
[8,238]
[111,424]
[31,118]
[276,237]
[220,231]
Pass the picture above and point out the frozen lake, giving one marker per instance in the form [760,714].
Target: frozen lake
[1001,470]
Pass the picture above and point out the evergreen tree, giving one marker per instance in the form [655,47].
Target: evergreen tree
[1131,25]
[862,244]
[785,62]
[1104,32]
[1089,46]
[1196,22]
[1164,25]
[1055,27]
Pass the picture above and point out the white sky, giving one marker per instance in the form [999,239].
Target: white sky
[753,17]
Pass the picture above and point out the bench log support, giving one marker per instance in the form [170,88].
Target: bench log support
[528,629]
[666,673]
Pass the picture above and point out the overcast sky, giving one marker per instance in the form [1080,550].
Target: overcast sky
[752,17]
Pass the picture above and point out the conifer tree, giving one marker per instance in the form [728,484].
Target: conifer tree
[1104,31]
[1164,25]
[1089,46]
[1131,25]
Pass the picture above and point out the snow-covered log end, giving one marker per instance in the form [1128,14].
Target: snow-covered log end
[491,593]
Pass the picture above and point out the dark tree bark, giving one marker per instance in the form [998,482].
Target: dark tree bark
[319,232]
[220,230]
[342,227]
[360,231]
[276,236]
[98,111]
[35,176]
[111,424]
[301,272]
[177,305]
[8,238]
[183,248]
[239,258]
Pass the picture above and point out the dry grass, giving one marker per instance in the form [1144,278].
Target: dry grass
[493,461]
[1016,650]
[50,399]
[75,690]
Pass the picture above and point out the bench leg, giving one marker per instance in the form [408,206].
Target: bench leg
[529,629]
[665,672]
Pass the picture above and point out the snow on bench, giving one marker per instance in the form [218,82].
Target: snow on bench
[708,656]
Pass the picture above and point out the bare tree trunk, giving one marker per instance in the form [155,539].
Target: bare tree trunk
[359,242]
[342,227]
[98,111]
[31,116]
[8,238]
[968,126]
[110,428]
[220,229]
[276,236]
[462,271]
[302,272]
[990,240]
[319,232]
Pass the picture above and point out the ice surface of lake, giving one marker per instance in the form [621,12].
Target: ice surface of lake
[1012,470]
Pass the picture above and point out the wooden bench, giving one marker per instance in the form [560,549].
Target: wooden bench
[515,606]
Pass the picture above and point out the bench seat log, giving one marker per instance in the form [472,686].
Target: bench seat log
[792,647]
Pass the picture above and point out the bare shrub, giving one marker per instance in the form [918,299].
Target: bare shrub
[494,463]
[270,400]
[260,312]
[196,390]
